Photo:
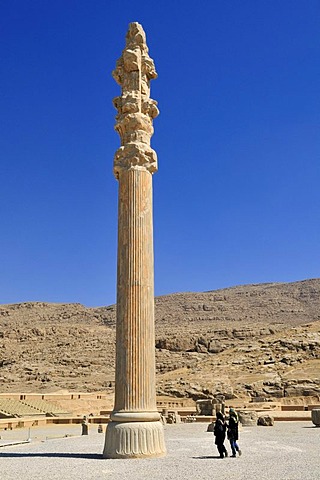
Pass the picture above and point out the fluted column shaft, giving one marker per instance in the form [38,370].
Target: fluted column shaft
[135,386]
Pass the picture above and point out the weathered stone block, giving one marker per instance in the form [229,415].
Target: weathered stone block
[315,416]
[266,421]
[248,419]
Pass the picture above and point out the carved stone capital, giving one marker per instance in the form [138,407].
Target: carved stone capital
[136,110]
[134,127]
[135,155]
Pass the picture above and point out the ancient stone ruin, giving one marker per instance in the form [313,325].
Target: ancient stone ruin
[135,429]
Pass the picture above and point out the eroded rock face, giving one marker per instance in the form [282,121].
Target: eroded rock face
[198,355]
[301,387]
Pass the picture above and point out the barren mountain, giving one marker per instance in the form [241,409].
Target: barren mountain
[249,341]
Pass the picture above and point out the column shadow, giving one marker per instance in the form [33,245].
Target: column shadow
[87,456]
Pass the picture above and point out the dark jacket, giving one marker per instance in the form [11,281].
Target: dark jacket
[219,430]
[233,429]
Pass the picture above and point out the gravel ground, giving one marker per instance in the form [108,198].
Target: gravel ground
[287,451]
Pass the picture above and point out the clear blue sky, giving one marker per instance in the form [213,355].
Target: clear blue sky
[237,194]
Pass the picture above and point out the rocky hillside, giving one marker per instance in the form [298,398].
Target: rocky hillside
[249,341]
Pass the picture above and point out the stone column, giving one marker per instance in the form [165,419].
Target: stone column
[135,429]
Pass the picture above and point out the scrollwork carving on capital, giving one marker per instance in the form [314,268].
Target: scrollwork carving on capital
[150,107]
[117,103]
[127,103]
[136,110]
[131,59]
[134,127]
[148,67]
[118,72]
[135,155]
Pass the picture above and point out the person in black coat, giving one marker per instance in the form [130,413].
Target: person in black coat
[233,432]
[219,432]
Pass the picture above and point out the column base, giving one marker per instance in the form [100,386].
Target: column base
[134,440]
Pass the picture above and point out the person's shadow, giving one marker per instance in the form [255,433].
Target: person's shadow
[215,457]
